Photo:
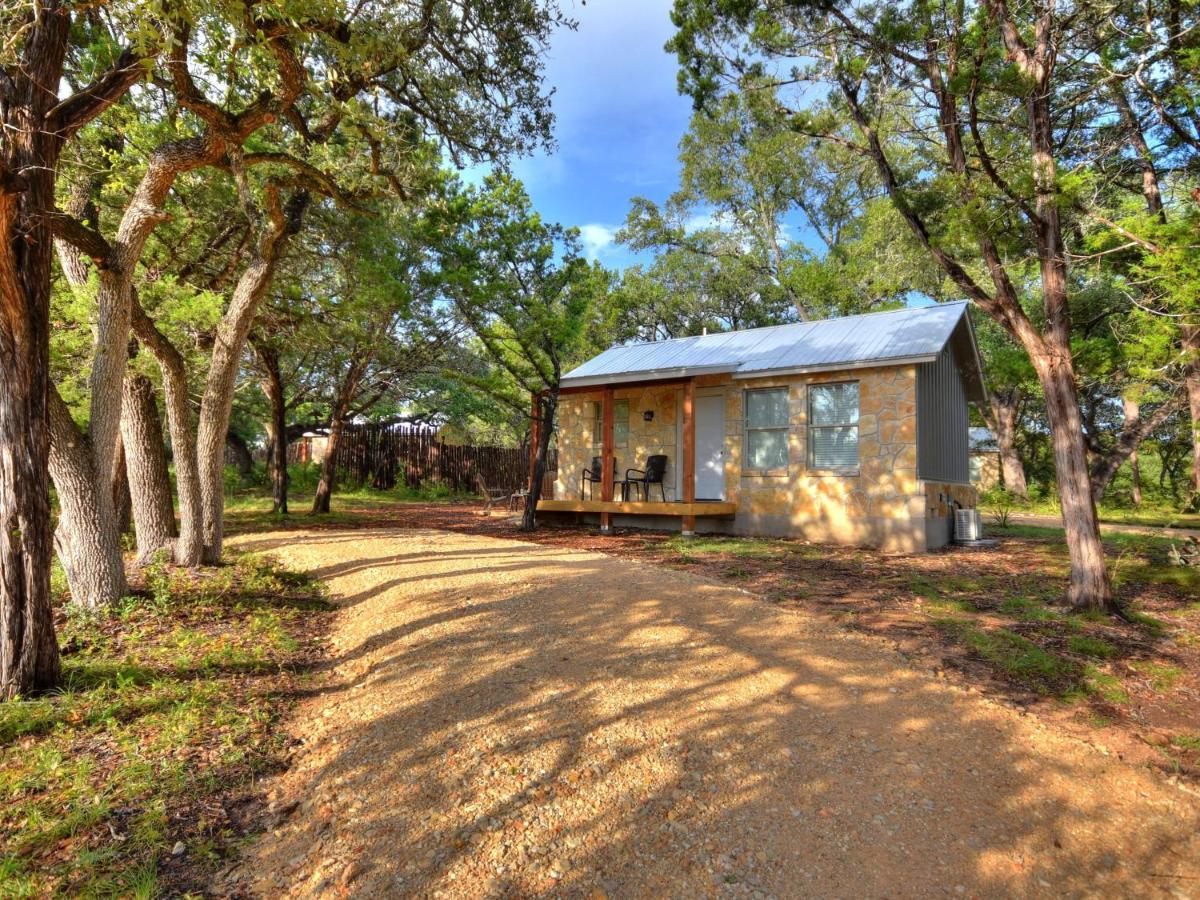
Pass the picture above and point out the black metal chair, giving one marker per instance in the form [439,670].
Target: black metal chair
[641,479]
[593,475]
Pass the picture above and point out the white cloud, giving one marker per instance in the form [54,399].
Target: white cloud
[596,238]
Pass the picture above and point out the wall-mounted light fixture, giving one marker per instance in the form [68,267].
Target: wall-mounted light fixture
[648,416]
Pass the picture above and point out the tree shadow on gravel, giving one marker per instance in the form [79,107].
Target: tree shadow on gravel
[596,725]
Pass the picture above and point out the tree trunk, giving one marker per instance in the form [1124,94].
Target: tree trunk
[1005,407]
[87,539]
[277,440]
[547,406]
[189,549]
[1132,413]
[243,458]
[329,464]
[1135,430]
[1089,583]
[232,331]
[1191,349]
[122,499]
[149,481]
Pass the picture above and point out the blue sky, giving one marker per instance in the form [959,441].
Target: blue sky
[619,121]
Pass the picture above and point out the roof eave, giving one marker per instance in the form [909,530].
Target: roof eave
[645,375]
[874,363]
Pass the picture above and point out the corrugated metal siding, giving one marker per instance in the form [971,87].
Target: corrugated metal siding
[943,421]
[896,334]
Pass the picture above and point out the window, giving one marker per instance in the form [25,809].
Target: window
[833,426]
[976,467]
[621,423]
[597,423]
[767,429]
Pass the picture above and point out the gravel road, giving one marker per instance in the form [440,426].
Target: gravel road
[509,719]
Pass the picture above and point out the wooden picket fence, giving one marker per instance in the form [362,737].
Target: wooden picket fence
[384,455]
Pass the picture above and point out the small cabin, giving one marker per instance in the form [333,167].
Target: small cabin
[851,430]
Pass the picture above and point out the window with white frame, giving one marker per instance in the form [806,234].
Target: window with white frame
[833,426]
[767,428]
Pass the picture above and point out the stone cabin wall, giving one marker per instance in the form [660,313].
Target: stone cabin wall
[882,504]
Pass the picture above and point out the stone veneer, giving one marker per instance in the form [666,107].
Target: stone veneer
[883,504]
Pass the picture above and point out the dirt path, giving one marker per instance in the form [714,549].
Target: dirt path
[508,719]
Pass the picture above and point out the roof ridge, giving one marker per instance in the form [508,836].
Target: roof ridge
[877,312]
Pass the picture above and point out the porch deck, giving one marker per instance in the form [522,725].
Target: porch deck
[640,508]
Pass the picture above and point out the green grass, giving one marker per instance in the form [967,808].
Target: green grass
[165,703]
[1087,645]
[1026,609]
[754,548]
[1149,514]
[1016,656]
[1162,676]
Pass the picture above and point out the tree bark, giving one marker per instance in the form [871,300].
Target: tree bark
[277,438]
[86,539]
[1005,408]
[547,409]
[189,548]
[149,481]
[329,464]
[1191,349]
[1132,413]
[122,499]
[232,331]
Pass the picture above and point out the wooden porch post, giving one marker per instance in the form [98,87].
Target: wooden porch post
[606,457]
[689,452]
[535,429]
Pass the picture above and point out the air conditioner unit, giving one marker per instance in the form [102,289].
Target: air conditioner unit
[968,526]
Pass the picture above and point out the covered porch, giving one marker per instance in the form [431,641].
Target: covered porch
[684,504]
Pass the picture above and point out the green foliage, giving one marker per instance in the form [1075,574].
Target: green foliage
[162,710]
[520,284]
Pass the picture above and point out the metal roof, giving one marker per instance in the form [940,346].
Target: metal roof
[908,335]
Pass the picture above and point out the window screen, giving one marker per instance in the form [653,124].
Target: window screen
[833,426]
[767,429]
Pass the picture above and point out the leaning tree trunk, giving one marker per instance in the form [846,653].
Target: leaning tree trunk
[1005,407]
[232,331]
[146,462]
[189,548]
[87,539]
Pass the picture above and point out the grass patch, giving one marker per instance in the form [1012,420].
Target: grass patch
[1162,676]
[1086,645]
[752,548]
[1189,742]
[1104,685]
[1027,609]
[168,703]
[1016,656]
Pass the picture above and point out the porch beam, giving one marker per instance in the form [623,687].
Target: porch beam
[606,456]
[689,452]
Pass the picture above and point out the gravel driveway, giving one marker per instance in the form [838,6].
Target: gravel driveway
[508,719]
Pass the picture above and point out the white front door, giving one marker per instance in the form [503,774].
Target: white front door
[710,448]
